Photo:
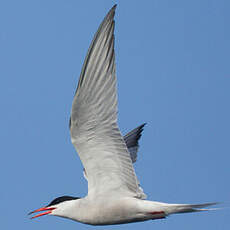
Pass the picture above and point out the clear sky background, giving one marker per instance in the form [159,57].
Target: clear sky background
[173,73]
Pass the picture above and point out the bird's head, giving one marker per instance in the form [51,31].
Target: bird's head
[55,207]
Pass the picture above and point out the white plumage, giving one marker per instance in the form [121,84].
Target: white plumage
[114,194]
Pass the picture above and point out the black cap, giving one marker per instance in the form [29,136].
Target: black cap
[61,199]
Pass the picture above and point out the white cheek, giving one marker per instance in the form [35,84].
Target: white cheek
[62,210]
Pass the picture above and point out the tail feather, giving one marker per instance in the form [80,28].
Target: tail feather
[185,208]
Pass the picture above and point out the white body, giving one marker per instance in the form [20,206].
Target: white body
[107,211]
[114,194]
[110,211]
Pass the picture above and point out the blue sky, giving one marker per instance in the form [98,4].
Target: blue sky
[173,73]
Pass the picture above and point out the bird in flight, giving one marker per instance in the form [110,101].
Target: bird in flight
[114,193]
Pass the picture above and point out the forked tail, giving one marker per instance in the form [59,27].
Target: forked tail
[184,208]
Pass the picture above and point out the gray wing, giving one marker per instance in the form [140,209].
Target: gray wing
[131,139]
[93,123]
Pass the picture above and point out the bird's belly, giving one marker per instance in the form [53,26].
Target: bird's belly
[114,212]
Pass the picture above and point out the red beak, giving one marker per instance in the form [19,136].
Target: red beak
[48,209]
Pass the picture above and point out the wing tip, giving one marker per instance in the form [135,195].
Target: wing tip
[143,125]
[140,129]
[114,7]
[111,13]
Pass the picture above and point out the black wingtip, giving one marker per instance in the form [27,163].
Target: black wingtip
[112,11]
[114,7]
[143,125]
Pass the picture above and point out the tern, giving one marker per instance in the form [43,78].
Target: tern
[114,192]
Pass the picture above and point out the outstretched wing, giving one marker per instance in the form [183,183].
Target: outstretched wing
[93,123]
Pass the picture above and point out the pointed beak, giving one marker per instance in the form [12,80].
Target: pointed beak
[47,209]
